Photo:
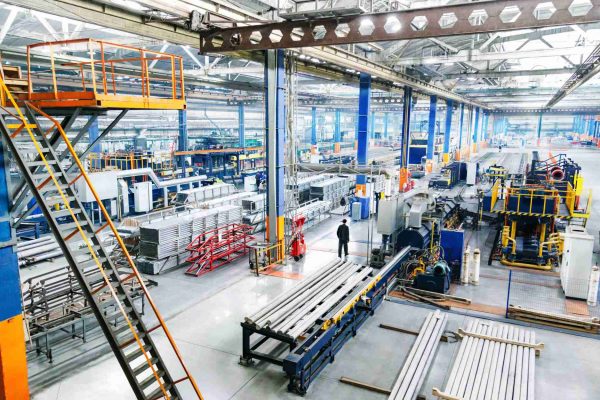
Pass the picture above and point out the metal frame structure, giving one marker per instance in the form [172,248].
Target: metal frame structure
[131,341]
[308,355]
[458,19]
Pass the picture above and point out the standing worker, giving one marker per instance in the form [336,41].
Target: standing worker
[343,234]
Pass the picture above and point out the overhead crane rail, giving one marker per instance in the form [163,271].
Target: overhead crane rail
[105,290]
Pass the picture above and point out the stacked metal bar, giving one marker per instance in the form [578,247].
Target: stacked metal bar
[415,369]
[494,361]
[293,313]
[254,204]
[161,239]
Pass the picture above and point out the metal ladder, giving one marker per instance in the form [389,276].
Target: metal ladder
[103,286]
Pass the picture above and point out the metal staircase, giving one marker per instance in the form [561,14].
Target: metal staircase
[103,286]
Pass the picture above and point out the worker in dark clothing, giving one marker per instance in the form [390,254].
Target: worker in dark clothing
[343,234]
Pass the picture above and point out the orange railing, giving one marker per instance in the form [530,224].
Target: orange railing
[82,70]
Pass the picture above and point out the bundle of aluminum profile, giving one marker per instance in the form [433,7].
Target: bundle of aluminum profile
[303,184]
[254,204]
[201,194]
[332,189]
[164,238]
[419,359]
[494,361]
[314,209]
[323,294]
[233,199]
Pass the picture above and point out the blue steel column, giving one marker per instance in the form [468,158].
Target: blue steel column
[364,102]
[337,133]
[431,129]
[475,131]
[13,362]
[313,131]
[275,129]
[241,126]
[447,129]
[460,131]
[182,142]
[405,138]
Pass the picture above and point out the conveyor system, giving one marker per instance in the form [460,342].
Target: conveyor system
[303,328]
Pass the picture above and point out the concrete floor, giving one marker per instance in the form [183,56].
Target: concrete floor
[204,314]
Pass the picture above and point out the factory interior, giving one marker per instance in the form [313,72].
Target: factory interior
[318,199]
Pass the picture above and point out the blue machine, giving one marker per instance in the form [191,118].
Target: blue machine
[306,357]
[435,279]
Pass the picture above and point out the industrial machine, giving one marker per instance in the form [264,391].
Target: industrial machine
[449,175]
[422,221]
[297,243]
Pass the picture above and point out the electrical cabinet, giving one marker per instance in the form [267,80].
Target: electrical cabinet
[576,264]
[142,196]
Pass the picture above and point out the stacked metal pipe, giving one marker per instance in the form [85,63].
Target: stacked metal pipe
[37,250]
[419,358]
[494,361]
[297,310]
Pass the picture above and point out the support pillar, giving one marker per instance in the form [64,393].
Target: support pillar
[275,124]
[405,138]
[337,133]
[313,132]
[431,127]
[372,128]
[182,142]
[475,131]
[241,125]
[13,362]
[364,102]
[94,133]
[385,124]
[539,129]
[484,131]
[447,129]
[461,124]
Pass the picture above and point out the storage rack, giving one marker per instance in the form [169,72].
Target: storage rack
[315,318]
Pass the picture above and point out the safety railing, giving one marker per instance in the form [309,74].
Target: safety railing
[26,128]
[495,193]
[532,200]
[266,255]
[127,161]
[98,71]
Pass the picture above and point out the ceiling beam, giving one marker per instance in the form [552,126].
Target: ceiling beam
[114,17]
[586,71]
[476,55]
[449,20]
[507,74]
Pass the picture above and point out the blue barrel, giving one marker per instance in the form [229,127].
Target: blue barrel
[364,207]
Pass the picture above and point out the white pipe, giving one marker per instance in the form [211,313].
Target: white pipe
[158,182]
[464,272]
[592,297]
[474,268]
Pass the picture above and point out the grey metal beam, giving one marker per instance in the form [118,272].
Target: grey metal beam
[506,74]
[114,17]
[449,20]
[586,71]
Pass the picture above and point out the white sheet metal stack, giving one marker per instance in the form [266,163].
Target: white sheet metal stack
[494,361]
[234,199]
[201,194]
[417,364]
[160,239]
[332,189]
[324,293]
